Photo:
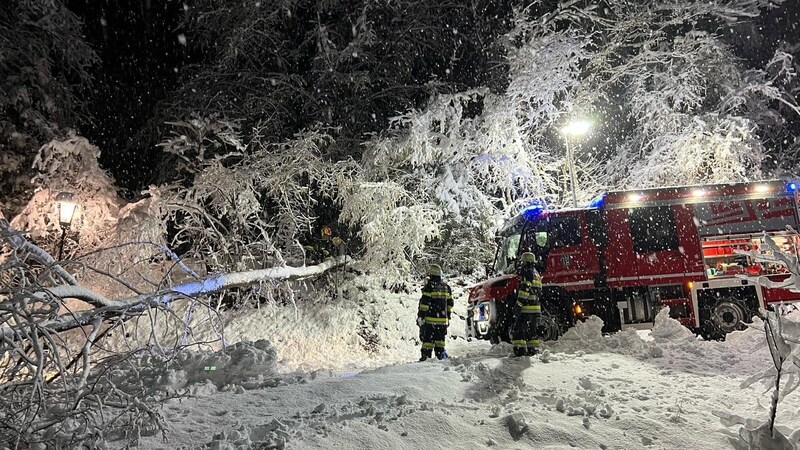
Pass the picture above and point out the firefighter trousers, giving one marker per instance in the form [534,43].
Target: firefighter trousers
[433,340]
[525,334]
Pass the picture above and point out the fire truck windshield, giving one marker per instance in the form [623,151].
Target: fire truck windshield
[507,249]
[512,242]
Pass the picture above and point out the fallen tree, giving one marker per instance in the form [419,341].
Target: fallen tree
[56,376]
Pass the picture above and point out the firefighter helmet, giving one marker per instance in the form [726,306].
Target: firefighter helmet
[434,270]
[528,257]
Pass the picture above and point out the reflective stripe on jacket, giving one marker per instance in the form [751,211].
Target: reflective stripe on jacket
[529,293]
[436,303]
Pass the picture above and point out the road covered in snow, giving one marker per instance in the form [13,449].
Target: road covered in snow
[666,391]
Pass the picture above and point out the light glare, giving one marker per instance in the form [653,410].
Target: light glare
[576,128]
[635,197]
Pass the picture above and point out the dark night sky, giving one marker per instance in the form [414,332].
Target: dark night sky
[142,59]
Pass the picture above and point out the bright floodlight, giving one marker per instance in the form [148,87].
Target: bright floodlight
[576,128]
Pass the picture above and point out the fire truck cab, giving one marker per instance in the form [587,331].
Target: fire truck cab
[630,253]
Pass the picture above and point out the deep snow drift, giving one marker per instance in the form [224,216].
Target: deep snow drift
[326,383]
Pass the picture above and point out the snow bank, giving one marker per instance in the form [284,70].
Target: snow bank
[587,337]
[585,390]
[247,364]
[667,329]
[364,326]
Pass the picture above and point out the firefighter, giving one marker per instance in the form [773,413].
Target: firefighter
[528,310]
[433,315]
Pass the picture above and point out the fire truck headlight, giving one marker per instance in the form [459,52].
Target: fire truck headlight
[576,308]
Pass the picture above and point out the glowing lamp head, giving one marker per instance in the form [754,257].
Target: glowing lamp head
[791,187]
[761,188]
[67,206]
[698,193]
[576,128]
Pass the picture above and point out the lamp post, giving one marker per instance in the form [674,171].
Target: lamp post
[67,205]
[574,128]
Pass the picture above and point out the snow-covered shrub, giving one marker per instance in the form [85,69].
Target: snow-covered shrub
[783,376]
[393,227]
[71,165]
[783,339]
[105,234]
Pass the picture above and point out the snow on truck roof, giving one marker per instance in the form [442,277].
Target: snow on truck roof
[701,193]
[688,194]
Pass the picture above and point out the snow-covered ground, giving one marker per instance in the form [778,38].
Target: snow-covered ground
[666,391]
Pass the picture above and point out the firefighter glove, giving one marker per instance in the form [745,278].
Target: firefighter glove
[420,321]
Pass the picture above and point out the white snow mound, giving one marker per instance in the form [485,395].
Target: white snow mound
[249,364]
[666,328]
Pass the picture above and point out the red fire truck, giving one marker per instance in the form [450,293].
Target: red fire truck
[630,253]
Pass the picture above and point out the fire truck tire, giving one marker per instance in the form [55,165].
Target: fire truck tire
[501,333]
[548,328]
[727,316]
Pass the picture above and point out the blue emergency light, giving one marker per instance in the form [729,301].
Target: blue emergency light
[532,210]
[598,201]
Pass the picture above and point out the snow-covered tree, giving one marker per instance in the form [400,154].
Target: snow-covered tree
[71,165]
[251,205]
[44,65]
[680,106]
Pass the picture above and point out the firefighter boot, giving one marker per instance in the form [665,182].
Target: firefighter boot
[441,354]
[533,347]
[426,353]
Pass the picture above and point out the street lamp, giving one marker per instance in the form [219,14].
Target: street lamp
[575,128]
[67,205]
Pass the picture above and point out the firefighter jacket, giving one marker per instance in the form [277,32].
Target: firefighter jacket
[436,303]
[530,292]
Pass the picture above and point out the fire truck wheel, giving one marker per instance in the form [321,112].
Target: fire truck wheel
[548,328]
[728,315]
[500,334]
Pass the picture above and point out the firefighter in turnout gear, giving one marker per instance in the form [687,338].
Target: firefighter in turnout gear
[528,310]
[433,316]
